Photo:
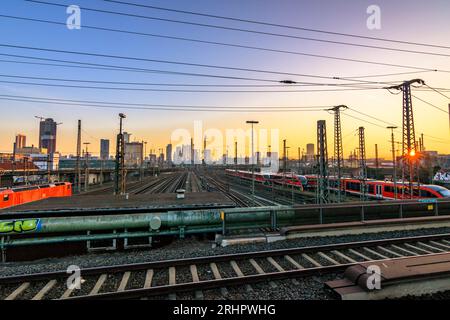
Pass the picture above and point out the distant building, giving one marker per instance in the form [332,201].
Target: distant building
[104,149]
[169,153]
[30,150]
[258,158]
[126,137]
[21,141]
[310,151]
[134,154]
[152,159]
[161,159]
[47,135]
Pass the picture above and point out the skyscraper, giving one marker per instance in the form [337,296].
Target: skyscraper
[169,153]
[47,135]
[104,149]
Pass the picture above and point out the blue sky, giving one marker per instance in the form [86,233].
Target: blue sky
[407,20]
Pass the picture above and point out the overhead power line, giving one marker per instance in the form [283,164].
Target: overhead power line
[298,84]
[182,90]
[437,91]
[96,66]
[357,118]
[190,64]
[430,104]
[372,117]
[269,24]
[138,33]
[165,107]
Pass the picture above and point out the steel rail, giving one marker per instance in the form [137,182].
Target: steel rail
[111,269]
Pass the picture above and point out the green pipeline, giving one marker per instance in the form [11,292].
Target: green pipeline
[152,221]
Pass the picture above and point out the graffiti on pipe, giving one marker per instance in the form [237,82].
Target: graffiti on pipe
[19,226]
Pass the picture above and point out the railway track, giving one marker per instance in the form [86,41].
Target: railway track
[166,184]
[195,275]
[240,197]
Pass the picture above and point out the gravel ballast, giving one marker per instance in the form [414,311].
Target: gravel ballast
[307,288]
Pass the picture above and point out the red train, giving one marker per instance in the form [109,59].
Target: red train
[375,189]
[385,189]
[299,182]
[24,194]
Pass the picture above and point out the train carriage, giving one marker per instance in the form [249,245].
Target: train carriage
[25,194]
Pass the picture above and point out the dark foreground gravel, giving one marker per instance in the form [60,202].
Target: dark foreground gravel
[187,248]
[303,288]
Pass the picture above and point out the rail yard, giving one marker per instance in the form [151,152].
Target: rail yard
[224,159]
[219,240]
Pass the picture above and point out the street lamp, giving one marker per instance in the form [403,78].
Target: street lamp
[252,122]
[394,161]
[86,179]
[119,169]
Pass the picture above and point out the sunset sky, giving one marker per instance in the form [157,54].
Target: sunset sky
[413,20]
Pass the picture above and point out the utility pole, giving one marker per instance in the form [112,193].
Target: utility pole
[204,149]
[119,187]
[252,122]
[235,155]
[409,148]
[322,163]
[377,162]
[338,147]
[48,168]
[299,158]
[192,152]
[86,173]
[362,164]
[284,157]
[422,148]
[394,160]
[78,165]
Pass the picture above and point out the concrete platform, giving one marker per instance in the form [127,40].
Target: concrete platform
[413,276]
[191,200]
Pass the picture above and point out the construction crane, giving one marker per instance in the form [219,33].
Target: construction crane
[43,119]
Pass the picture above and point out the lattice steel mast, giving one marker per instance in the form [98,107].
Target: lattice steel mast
[362,164]
[338,147]
[409,147]
[322,163]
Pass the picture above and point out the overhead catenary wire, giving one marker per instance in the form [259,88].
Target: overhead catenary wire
[259,23]
[164,36]
[143,106]
[190,64]
[182,90]
[298,84]
[125,69]
[84,65]
[430,104]
[437,91]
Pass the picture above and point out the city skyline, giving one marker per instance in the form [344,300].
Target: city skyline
[156,126]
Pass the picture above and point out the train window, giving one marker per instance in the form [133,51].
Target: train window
[371,188]
[427,194]
[5,197]
[389,189]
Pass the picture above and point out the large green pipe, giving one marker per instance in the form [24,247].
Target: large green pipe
[153,221]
